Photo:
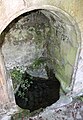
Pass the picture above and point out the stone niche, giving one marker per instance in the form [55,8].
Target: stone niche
[42,35]
[29,45]
[45,35]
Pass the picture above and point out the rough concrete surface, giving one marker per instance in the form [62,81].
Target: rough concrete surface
[72,111]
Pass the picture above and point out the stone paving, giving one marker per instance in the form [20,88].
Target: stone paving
[72,111]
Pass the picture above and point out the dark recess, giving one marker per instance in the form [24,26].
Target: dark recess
[42,93]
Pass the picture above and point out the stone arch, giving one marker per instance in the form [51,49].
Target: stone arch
[69,24]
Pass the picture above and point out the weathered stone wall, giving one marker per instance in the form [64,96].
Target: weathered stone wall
[11,9]
[24,41]
[38,35]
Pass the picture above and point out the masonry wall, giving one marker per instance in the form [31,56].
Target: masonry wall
[10,9]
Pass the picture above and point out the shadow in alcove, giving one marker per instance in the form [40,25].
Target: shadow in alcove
[41,92]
